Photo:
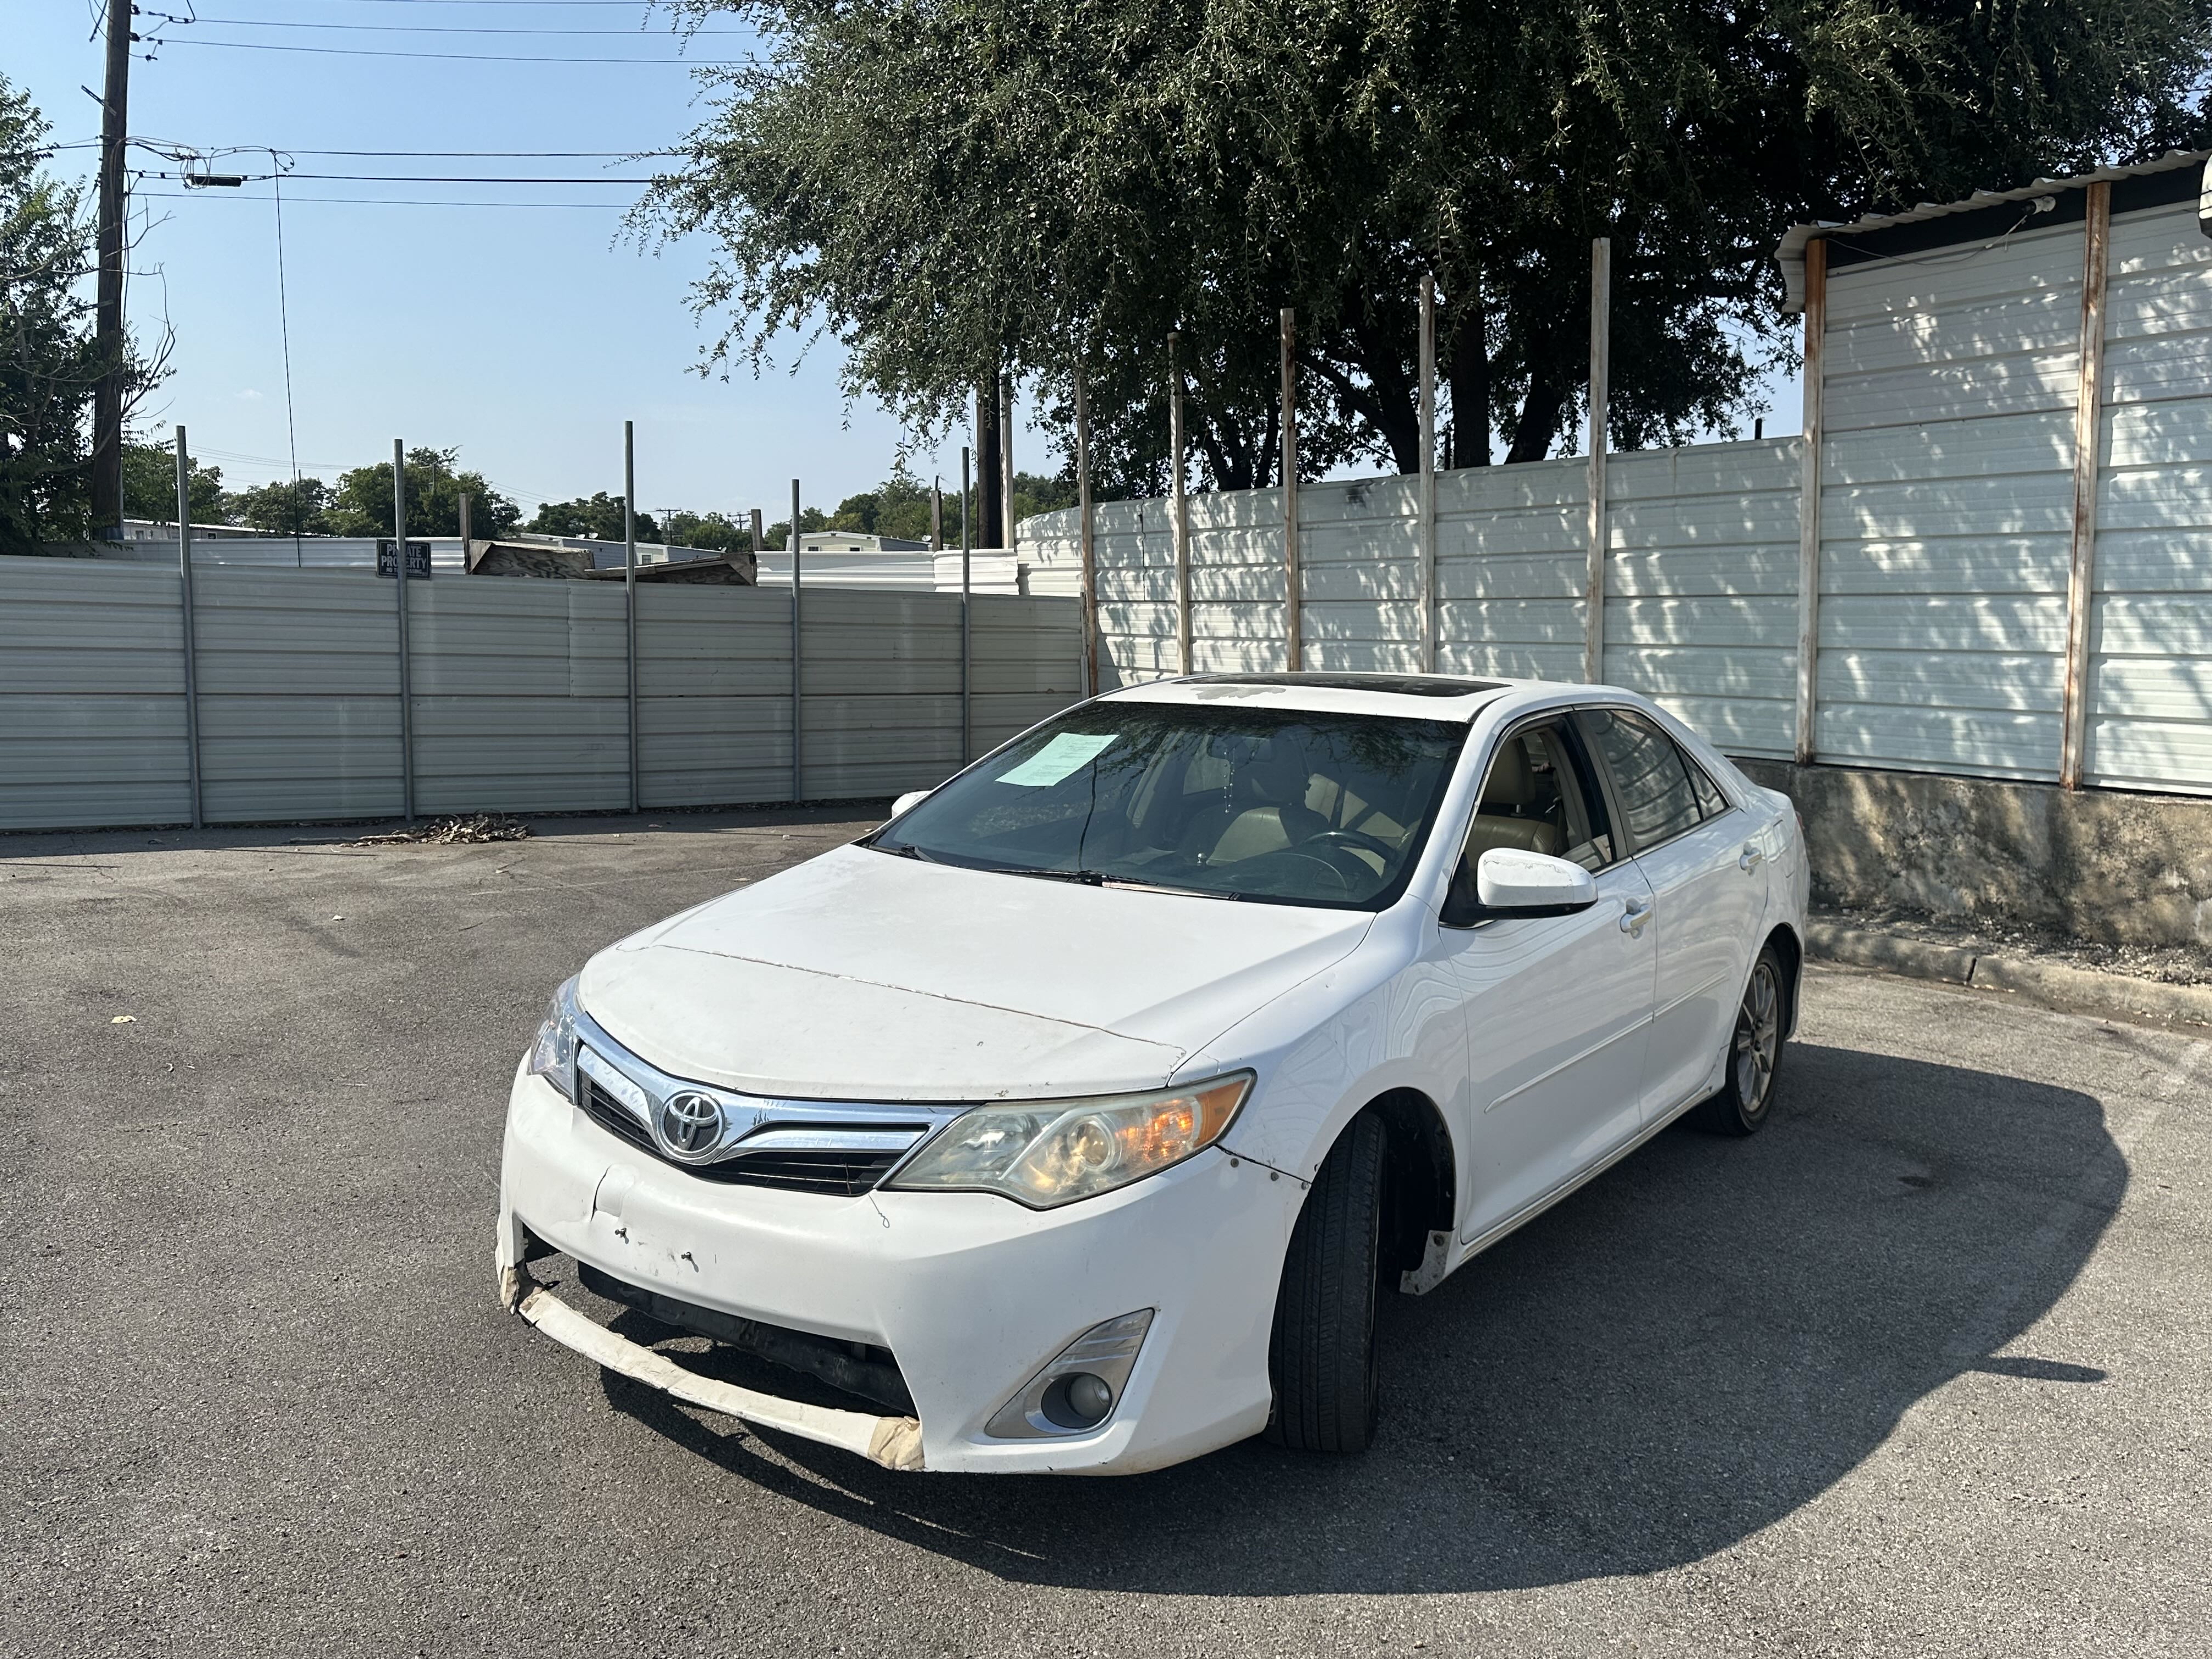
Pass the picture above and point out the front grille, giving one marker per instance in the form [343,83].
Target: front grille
[847,1175]
[836,1173]
[611,1114]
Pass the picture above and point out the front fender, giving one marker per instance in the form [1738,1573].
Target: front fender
[1333,1043]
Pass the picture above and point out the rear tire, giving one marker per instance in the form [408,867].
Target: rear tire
[1321,1357]
[1754,1054]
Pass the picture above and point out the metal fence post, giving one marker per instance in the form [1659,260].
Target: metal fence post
[1293,582]
[1178,507]
[406,666]
[967,721]
[629,592]
[1600,346]
[1088,650]
[797,658]
[192,626]
[1428,503]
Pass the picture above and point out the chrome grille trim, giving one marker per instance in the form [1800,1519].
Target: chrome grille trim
[875,1136]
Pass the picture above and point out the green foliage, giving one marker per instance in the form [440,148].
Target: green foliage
[810,518]
[360,505]
[952,189]
[598,517]
[150,485]
[300,509]
[1033,493]
[47,364]
[682,529]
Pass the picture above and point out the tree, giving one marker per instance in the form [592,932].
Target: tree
[950,190]
[725,535]
[598,518]
[150,486]
[47,365]
[360,505]
[810,518]
[301,509]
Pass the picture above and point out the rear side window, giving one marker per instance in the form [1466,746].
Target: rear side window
[1710,801]
[1650,775]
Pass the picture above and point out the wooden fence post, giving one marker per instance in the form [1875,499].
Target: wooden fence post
[1600,349]
[1808,500]
[2088,408]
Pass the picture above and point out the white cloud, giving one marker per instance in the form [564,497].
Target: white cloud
[248,396]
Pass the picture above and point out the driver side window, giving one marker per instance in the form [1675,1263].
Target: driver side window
[1537,796]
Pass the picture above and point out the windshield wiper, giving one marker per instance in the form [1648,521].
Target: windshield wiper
[909,851]
[1100,879]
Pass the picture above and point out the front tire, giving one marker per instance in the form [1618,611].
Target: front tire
[1754,1056]
[1321,1357]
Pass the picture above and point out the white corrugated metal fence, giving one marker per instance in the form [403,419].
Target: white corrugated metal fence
[518,692]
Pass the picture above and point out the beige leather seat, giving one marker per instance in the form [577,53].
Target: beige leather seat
[1266,810]
[1510,791]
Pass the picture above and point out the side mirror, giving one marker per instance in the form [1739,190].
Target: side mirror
[911,798]
[1508,882]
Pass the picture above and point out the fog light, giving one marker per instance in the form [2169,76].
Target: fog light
[1081,1388]
[1079,1401]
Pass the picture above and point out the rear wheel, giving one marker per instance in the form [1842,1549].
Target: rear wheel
[1754,1056]
[1321,1357]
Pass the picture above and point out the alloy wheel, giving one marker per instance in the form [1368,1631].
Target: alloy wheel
[1758,1038]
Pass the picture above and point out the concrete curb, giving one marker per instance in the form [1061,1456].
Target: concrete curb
[2078,990]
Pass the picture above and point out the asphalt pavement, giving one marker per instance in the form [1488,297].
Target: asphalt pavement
[1921,1369]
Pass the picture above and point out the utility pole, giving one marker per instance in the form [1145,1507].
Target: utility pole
[990,530]
[1006,460]
[107,319]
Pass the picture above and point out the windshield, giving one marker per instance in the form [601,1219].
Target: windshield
[1289,806]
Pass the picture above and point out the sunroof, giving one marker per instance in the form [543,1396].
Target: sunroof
[1404,685]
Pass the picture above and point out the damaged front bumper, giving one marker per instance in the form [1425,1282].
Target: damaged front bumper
[893,1442]
[972,1296]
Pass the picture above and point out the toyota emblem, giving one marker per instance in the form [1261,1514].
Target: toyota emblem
[689,1124]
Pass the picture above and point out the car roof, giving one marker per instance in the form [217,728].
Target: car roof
[1453,697]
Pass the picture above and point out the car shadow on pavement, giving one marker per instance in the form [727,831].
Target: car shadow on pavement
[1691,1348]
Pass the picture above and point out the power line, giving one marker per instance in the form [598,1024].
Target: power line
[408,178]
[489,155]
[449,57]
[627,4]
[366,201]
[436,29]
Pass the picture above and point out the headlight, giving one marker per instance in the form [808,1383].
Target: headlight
[1050,1152]
[553,1056]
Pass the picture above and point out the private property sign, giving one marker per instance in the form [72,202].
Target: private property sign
[418,559]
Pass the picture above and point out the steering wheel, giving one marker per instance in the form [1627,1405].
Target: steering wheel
[1375,844]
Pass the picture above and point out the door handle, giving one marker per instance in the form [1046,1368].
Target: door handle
[1751,859]
[1632,918]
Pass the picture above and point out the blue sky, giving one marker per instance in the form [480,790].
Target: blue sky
[522,335]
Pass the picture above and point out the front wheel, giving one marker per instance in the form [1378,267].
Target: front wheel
[1746,1092]
[1320,1356]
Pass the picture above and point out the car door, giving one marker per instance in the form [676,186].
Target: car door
[1555,1006]
[1698,850]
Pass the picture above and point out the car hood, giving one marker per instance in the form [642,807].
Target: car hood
[863,976]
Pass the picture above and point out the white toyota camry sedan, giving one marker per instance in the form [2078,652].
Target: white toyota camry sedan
[1074,1120]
